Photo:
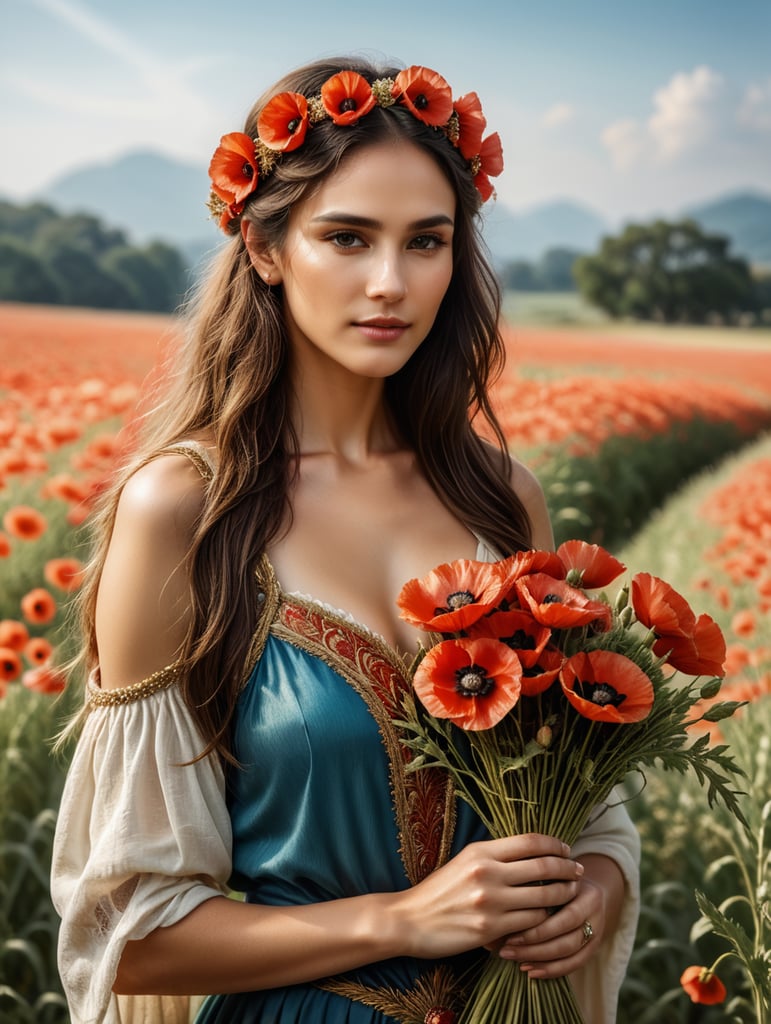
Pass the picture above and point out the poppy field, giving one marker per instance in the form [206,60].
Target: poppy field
[653,447]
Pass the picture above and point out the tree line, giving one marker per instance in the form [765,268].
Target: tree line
[76,260]
[667,271]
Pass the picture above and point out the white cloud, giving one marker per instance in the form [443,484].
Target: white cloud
[755,109]
[684,113]
[558,114]
[625,142]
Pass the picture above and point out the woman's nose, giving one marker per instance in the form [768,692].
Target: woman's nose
[386,278]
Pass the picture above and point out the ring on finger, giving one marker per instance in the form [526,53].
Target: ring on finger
[587,931]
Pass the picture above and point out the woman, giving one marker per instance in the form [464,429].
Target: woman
[239,732]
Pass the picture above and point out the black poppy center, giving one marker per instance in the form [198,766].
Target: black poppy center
[349,103]
[420,101]
[456,600]
[520,641]
[248,171]
[293,125]
[552,599]
[599,693]
[472,681]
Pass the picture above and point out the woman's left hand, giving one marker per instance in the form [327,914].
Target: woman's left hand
[568,938]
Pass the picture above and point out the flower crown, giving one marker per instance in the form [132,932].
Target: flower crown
[239,162]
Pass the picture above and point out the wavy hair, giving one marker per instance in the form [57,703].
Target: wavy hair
[231,385]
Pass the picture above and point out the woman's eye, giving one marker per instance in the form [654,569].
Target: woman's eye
[346,239]
[427,242]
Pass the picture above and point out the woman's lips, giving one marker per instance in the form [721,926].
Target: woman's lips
[382,328]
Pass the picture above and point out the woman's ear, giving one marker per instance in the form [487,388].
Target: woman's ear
[261,257]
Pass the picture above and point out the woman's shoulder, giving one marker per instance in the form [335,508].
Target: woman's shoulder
[167,488]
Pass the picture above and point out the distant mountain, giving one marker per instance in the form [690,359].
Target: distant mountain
[154,196]
[527,235]
[745,218]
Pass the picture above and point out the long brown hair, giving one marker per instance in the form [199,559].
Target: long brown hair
[231,385]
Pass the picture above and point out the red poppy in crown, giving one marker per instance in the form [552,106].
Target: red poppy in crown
[283,122]
[346,97]
[425,94]
[471,124]
[451,597]
[475,683]
[555,603]
[607,687]
[233,168]
[595,566]
[490,165]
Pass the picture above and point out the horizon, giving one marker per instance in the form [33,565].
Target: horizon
[627,112]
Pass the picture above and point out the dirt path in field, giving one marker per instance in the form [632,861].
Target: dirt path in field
[729,357]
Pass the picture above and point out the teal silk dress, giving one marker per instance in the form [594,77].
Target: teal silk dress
[322,808]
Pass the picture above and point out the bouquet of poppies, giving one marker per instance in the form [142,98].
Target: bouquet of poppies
[538,695]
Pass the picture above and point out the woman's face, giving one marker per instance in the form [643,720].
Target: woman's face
[367,260]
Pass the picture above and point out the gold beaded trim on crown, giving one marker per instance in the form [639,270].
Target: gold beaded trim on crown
[240,162]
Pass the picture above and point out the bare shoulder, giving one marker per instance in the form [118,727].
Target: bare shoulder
[165,493]
[527,487]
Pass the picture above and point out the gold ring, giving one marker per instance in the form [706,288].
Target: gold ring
[588,932]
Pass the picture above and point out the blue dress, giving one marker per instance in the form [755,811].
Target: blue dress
[322,809]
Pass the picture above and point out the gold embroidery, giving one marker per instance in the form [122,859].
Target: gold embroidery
[423,801]
[160,680]
[268,598]
[197,454]
[436,990]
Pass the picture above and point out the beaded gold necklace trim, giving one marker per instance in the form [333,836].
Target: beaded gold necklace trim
[160,680]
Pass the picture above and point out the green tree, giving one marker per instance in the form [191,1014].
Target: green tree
[83,281]
[671,272]
[555,269]
[519,276]
[23,277]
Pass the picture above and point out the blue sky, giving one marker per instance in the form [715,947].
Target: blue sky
[630,108]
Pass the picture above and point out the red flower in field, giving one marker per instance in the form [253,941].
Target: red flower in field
[38,650]
[451,597]
[5,546]
[38,606]
[607,687]
[66,487]
[44,679]
[594,566]
[10,664]
[13,634]
[471,124]
[490,165]
[703,985]
[283,122]
[518,630]
[64,573]
[702,652]
[24,522]
[233,168]
[475,683]
[555,603]
[743,622]
[425,94]
[659,606]
[347,96]
[539,677]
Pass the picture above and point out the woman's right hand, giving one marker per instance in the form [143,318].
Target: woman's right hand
[488,891]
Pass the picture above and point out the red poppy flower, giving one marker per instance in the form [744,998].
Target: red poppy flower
[346,97]
[5,546]
[13,634]
[425,94]
[703,985]
[607,687]
[452,596]
[702,652]
[539,677]
[24,522]
[471,124]
[490,165]
[10,664]
[64,573]
[518,630]
[555,603]
[596,566]
[233,168]
[525,562]
[475,683]
[659,606]
[38,650]
[38,606]
[283,122]
[44,679]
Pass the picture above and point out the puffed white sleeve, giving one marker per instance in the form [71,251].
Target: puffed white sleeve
[142,839]
[610,832]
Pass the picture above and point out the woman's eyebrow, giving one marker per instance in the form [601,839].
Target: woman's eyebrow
[340,217]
